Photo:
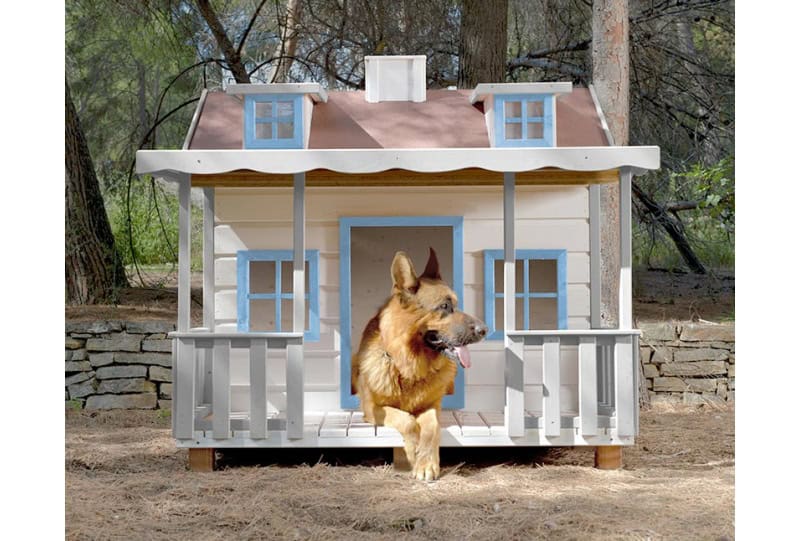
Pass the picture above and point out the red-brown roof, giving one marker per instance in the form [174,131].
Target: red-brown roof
[445,120]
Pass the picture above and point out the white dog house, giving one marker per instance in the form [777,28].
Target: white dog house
[307,196]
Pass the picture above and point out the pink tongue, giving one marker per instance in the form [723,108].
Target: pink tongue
[463,356]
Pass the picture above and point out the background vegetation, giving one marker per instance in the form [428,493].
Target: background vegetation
[136,67]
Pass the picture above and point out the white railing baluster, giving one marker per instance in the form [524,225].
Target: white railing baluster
[515,387]
[551,407]
[623,374]
[587,384]
[221,405]
[258,389]
[294,390]
[183,376]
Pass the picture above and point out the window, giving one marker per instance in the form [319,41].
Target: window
[541,290]
[273,121]
[524,120]
[264,291]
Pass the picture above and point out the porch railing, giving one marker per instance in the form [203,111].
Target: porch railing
[199,352]
[607,369]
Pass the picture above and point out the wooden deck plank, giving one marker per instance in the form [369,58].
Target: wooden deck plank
[358,428]
[472,424]
[335,424]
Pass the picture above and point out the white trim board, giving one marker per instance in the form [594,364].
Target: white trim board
[315,90]
[484,90]
[426,160]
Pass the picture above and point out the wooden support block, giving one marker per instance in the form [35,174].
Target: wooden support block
[608,457]
[400,460]
[201,460]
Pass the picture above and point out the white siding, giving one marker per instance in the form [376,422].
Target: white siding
[258,218]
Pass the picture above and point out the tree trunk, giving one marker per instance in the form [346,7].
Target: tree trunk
[231,54]
[288,46]
[482,42]
[93,268]
[610,76]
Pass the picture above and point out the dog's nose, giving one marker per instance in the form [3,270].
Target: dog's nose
[479,330]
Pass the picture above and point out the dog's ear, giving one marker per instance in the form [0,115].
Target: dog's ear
[404,277]
[432,268]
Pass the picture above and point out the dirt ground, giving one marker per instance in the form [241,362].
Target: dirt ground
[126,480]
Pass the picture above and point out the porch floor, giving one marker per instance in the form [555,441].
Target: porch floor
[348,429]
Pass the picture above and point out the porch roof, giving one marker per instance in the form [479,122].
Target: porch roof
[168,163]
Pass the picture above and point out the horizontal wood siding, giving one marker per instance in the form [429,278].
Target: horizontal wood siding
[257,219]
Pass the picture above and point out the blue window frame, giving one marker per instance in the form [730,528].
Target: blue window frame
[264,291]
[541,284]
[348,400]
[523,120]
[273,121]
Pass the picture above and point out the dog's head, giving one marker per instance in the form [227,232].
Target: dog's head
[437,323]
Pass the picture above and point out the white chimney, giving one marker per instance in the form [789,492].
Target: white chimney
[395,78]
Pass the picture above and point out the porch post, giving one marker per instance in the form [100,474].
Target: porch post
[625,272]
[204,375]
[184,255]
[208,258]
[515,400]
[595,276]
[294,355]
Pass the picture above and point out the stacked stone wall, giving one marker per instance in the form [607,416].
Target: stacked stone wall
[118,364]
[689,361]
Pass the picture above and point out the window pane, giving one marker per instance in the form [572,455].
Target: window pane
[543,276]
[513,109]
[286,130]
[519,276]
[535,108]
[287,276]
[287,279]
[513,131]
[287,315]
[262,277]
[535,130]
[263,130]
[262,315]
[285,108]
[263,109]
[544,313]
[500,314]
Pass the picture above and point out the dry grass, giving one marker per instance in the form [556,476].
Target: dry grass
[126,480]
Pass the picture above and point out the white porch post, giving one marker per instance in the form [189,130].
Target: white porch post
[204,375]
[515,400]
[184,254]
[294,357]
[625,272]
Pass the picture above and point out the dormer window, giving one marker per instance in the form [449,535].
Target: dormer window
[277,115]
[520,114]
[524,120]
[273,121]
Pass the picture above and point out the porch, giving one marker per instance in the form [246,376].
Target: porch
[203,417]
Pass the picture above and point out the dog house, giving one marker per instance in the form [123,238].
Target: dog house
[308,193]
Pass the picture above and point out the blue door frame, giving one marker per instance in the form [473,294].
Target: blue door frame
[350,401]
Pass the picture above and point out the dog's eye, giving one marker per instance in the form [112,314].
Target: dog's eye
[446,306]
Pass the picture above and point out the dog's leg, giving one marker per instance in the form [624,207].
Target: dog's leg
[427,465]
[403,422]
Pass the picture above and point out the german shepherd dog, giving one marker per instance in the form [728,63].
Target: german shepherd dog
[406,361]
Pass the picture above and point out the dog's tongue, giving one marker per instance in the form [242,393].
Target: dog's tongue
[463,356]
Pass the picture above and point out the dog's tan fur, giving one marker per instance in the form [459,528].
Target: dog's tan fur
[400,380]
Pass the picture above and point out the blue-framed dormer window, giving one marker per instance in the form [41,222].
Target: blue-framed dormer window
[273,121]
[540,290]
[524,120]
[264,291]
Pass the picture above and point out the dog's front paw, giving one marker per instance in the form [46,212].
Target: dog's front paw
[426,469]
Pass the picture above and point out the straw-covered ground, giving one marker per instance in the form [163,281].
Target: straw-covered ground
[126,480]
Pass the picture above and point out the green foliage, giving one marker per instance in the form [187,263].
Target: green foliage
[714,189]
[153,225]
